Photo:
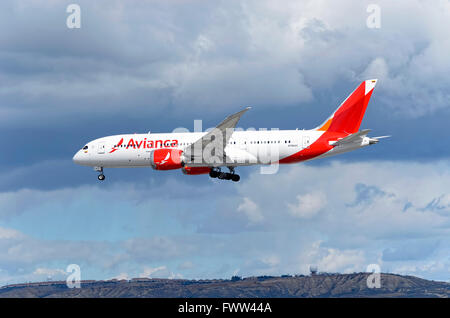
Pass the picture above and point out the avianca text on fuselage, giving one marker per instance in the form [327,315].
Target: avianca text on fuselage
[145,144]
[209,152]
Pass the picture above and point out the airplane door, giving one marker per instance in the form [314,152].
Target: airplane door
[101,148]
[305,142]
[242,144]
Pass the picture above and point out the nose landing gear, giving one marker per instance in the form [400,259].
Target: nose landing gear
[217,173]
[101,176]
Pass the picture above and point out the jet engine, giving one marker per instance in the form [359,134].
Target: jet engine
[166,159]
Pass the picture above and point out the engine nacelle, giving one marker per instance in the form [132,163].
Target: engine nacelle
[195,170]
[166,159]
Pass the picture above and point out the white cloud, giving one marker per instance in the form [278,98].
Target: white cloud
[159,272]
[370,206]
[377,68]
[271,260]
[349,215]
[153,272]
[53,273]
[251,210]
[6,233]
[384,187]
[332,260]
[307,205]
[346,261]
[122,276]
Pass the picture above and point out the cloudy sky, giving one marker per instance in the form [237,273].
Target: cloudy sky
[136,66]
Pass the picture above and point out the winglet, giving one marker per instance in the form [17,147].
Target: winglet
[356,137]
[232,120]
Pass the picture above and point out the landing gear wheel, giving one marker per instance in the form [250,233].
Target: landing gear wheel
[222,176]
[101,176]
[214,174]
[235,177]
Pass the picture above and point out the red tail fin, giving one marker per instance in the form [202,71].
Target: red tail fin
[347,118]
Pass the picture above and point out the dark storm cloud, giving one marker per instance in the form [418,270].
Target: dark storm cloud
[159,65]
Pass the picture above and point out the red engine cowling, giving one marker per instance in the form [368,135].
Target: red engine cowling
[166,159]
[195,170]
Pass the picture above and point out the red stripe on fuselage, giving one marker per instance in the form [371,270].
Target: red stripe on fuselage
[319,147]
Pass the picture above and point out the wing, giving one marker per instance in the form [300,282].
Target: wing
[356,137]
[210,149]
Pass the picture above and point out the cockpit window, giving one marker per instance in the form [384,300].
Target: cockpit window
[85,147]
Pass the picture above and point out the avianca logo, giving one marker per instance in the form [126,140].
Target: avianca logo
[165,159]
[145,144]
[117,146]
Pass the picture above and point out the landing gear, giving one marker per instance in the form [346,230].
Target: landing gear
[235,177]
[214,173]
[224,176]
[217,173]
[101,176]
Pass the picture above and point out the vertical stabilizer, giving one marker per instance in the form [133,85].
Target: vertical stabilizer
[347,118]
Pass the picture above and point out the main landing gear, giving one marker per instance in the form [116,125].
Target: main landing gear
[101,176]
[217,173]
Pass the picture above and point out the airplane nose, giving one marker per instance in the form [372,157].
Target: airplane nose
[76,159]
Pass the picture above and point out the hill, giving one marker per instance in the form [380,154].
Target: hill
[320,285]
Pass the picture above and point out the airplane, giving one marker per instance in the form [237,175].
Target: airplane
[209,152]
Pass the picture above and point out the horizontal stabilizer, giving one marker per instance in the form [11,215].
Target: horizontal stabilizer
[375,140]
[381,137]
[356,137]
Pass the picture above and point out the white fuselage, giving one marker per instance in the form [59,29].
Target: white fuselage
[243,148]
[204,152]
